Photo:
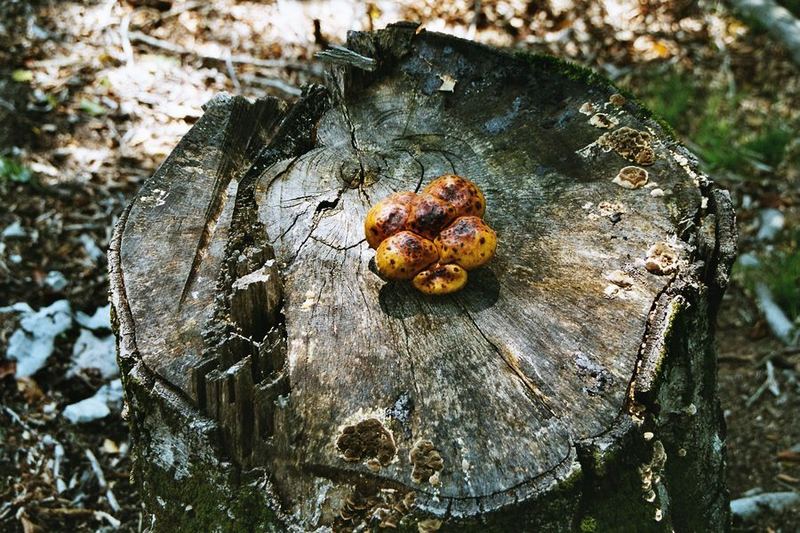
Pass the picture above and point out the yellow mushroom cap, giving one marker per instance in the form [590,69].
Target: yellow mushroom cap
[459,192]
[469,242]
[387,217]
[404,255]
[440,279]
[429,215]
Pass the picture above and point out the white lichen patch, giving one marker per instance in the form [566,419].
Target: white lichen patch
[310,301]
[448,83]
[631,177]
[603,121]
[611,291]
[158,198]
[620,279]
[612,210]
[686,165]
[587,108]
[662,259]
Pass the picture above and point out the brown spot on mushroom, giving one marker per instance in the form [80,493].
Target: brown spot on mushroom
[429,215]
[441,279]
[426,462]
[633,145]
[617,100]
[404,255]
[631,177]
[469,242]
[603,121]
[387,217]
[661,259]
[466,198]
[368,439]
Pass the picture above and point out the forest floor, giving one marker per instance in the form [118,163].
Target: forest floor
[94,95]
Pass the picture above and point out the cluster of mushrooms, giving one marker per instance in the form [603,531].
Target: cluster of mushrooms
[432,238]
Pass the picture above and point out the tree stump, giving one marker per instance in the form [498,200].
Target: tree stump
[274,382]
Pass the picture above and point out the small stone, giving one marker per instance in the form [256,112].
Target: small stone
[657,192]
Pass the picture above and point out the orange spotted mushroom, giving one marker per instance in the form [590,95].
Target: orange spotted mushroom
[432,238]
[404,255]
[387,217]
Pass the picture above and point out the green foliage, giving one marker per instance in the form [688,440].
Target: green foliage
[22,76]
[706,116]
[11,170]
[780,271]
[770,145]
[588,525]
[92,107]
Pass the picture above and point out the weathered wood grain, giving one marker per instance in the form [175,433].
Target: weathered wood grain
[496,399]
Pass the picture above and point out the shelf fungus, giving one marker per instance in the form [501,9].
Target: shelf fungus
[631,177]
[432,238]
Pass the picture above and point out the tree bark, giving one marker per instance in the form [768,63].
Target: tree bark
[275,382]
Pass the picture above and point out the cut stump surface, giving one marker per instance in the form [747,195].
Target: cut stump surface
[243,285]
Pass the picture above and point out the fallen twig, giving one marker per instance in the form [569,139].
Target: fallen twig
[751,507]
[272,83]
[770,383]
[101,480]
[344,56]
[776,319]
[137,36]
[777,20]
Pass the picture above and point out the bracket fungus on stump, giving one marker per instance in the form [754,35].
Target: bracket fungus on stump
[275,382]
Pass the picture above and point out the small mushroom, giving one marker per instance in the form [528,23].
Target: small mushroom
[603,121]
[631,177]
[617,100]
[440,279]
[387,217]
[469,242]
[404,255]
[459,192]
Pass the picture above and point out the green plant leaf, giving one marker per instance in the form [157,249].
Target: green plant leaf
[92,107]
[14,171]
[22,76]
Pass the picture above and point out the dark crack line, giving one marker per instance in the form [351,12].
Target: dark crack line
[652,321]
[339,248]
[529,385]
